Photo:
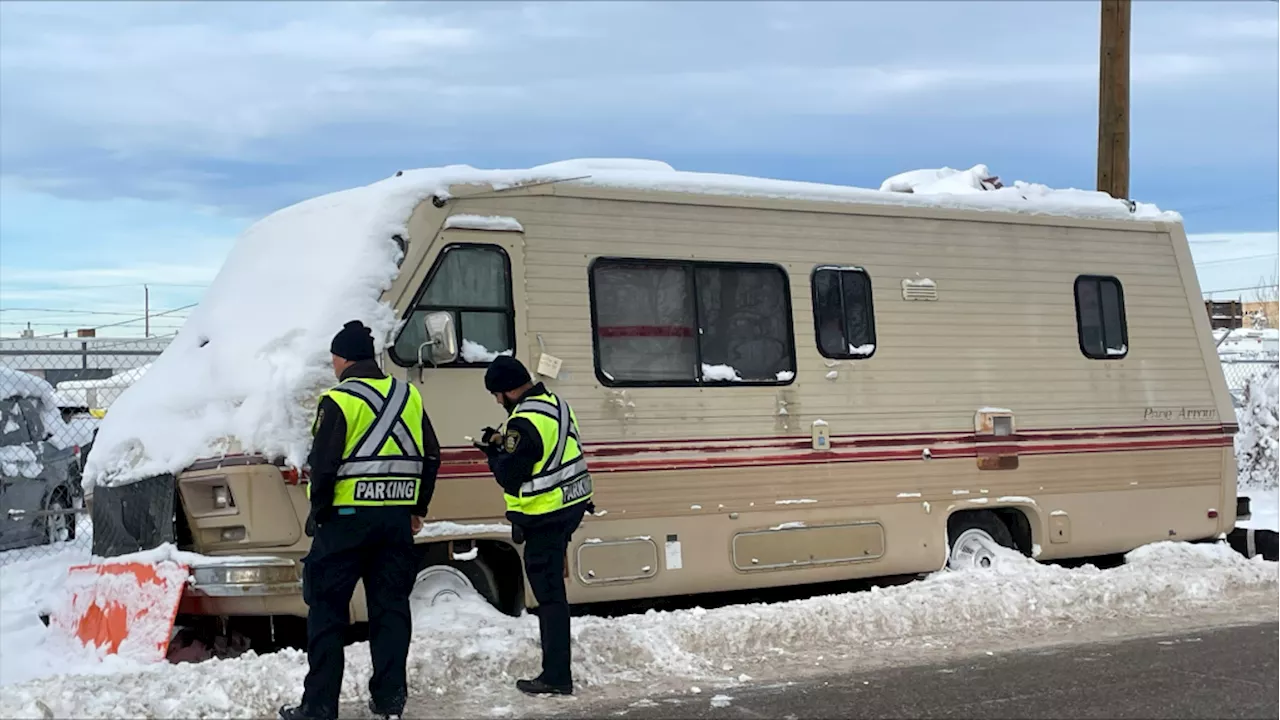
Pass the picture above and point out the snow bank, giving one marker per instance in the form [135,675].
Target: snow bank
[1259,435]
[251,359]
[466,648]
[14,383]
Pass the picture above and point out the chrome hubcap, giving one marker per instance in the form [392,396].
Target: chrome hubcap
[438,584]
[973,549]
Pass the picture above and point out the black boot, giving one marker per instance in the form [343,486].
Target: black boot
[538,686]
[297,712]
[379,712]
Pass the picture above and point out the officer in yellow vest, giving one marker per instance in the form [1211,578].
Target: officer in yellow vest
[538,461]
[373,469]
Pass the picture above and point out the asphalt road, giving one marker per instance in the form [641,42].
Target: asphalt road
[1214,673]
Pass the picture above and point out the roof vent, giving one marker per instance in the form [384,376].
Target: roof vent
[921,289]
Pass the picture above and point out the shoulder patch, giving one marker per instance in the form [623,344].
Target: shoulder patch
[511,441]
[315,426]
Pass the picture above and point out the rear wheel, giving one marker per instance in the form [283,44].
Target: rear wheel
[975,540]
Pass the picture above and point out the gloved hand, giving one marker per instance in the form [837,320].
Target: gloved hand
[517,535]
[491,436]
[310,527]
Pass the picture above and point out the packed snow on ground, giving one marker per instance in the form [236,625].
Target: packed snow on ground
[239,379]
[467,649]
[38,586]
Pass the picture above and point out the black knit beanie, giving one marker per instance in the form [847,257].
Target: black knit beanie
[353,342]
[505,374]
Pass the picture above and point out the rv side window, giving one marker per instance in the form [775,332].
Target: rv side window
[659,322]
[843,318]
[474,283]
[1100,318]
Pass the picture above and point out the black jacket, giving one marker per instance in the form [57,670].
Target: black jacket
[512,465]
[331,439]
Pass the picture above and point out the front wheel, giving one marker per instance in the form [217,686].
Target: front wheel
[976,541]
[439,584]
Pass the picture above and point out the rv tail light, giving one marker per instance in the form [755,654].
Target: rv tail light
[290,475]
[233,534]
[1213,514]
[221,496]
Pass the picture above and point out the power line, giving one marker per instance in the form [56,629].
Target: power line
[140,318]
[1239,289]
[1237,259]
[73,286]
[69,311]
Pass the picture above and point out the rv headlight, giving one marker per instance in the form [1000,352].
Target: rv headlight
[221,496]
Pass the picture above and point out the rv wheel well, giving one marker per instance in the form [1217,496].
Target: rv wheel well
[508,574]
[1019,527]
[496,563]
[1013,519]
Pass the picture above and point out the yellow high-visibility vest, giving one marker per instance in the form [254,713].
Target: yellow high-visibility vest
[382,459]
[560,476]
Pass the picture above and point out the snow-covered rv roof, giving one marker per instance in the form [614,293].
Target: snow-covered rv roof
[251,358]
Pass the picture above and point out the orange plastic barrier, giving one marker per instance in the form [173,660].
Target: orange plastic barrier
[123,608]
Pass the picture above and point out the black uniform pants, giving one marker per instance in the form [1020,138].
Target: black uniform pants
[374,545]
[546,542]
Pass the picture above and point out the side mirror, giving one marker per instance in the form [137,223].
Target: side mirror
[442,342]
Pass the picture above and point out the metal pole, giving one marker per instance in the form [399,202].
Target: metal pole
[1113,99]
[146,310]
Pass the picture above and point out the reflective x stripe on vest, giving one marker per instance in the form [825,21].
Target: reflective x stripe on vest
[560,477]
[382,458]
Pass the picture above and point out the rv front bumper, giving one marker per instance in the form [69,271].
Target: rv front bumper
[251,577]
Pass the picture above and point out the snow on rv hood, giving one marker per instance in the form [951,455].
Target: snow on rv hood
[251,359]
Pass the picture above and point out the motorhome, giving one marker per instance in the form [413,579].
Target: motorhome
[777,384]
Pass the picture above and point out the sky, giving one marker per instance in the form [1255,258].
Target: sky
[137,140]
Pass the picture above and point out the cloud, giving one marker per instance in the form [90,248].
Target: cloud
[230,84]
[147,134]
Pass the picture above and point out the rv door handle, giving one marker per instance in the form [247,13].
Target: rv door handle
[15,514]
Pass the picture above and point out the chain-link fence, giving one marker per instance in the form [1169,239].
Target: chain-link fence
[1240,372]
[53,394]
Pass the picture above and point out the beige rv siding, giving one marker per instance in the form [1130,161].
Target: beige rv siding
[1107,455]
[1002,333]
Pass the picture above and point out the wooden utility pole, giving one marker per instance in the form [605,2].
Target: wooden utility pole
[1113,100]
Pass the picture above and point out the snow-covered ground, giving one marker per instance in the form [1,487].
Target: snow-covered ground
[466,649]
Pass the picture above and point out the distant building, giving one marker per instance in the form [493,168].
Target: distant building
[78,358]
